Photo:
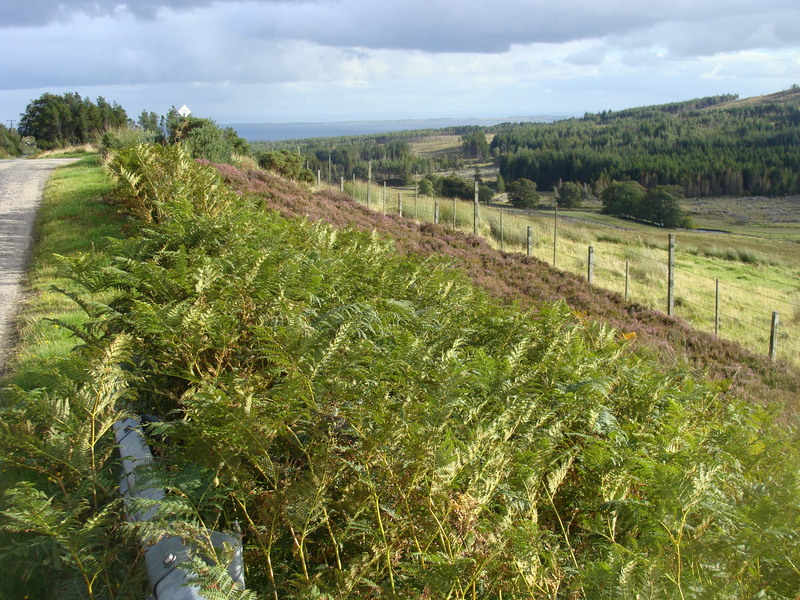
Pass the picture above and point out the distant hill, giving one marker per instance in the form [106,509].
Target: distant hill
[789,97]
[714,146]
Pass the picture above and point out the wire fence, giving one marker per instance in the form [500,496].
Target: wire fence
[760,313]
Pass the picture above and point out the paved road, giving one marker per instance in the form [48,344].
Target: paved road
[21,185]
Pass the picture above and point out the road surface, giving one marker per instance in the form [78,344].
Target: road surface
[22,182]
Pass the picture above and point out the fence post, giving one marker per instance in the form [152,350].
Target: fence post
[384,197]
[555,231]
[454,212]
[773,336]
[436,212]
[416,194]
[319,178]
[502,232]
[369,184]
[400,204]
[716,308]
[341,184]
[475,212]
[671,276]
[626,279]
[530,240]
[590,269]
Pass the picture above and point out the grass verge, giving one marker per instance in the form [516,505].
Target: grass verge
[72,219]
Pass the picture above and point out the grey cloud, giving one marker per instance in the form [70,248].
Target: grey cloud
[33,13]
[485,26]
[459,26]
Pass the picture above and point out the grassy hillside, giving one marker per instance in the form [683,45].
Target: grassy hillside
[790,97]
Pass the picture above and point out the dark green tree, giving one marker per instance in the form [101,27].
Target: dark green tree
[425,187]
[500,184]
[485,194]
[569,195]
[148,121]
[454,186]
[623,198]
[57,121]
[9,142]
[661,206]
[238,145]
[522,193]
[475,145]
[286,164]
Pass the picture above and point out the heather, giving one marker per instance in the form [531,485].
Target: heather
[376,424]
[528,282]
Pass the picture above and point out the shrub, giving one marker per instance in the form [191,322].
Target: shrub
[287,164]
[522,194]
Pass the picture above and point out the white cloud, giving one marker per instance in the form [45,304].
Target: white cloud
[408,58]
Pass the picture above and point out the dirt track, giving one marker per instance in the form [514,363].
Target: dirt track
[21,185]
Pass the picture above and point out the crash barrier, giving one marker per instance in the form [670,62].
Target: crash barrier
[162,557]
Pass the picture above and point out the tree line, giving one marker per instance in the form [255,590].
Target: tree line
[56,121]
[702,146]
[387,156]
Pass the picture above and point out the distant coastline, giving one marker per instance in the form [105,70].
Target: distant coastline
[272,132]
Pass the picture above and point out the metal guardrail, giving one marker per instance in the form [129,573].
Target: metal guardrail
[167,581]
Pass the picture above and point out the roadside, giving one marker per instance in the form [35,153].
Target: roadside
[22,183]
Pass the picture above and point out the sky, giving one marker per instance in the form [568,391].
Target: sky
[256,61]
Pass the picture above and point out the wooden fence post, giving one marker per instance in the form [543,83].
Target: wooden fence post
[341,184]
[475,212]
[626,278]
[773,337]
[400,204]
[384,197]
[369,183]
[671,276]
[716,308]
[416,194]
[436,212]
[502,232]
[530,240]
[555,231]
[590,268]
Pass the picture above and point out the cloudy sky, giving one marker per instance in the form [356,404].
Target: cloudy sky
[240,61]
